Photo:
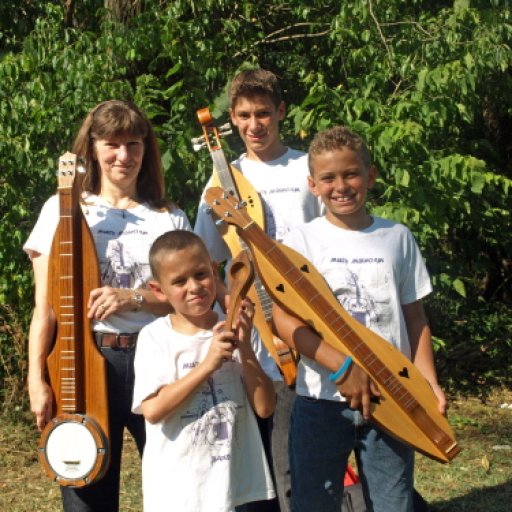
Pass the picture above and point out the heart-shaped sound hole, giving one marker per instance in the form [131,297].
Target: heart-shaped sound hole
[404,373]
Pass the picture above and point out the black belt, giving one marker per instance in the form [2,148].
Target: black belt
[115,340]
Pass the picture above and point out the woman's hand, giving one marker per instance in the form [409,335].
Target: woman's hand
[106,301]
[41,402]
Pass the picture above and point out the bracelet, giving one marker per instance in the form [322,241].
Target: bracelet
[333,377]
[138,299]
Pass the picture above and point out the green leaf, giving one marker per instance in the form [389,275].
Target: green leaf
[477,183]
[459,287]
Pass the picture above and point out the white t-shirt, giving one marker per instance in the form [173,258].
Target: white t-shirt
[283,187]
[122,239]
[207,455]
[372,272]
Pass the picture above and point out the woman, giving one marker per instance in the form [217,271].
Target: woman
[125,207]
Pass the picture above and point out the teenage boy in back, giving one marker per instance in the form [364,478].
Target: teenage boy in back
[375,269]
[280,175]
[197,386]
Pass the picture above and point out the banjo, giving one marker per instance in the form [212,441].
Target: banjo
[73,448]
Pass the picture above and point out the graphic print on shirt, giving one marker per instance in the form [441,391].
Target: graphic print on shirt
[210,416]
[362,289]
[270,223]
[121,269]
[276,206]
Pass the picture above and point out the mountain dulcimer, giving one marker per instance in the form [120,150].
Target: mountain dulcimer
[407,407]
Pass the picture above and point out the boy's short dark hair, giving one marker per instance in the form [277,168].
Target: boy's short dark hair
[335,138]
[169,242]
[254,82]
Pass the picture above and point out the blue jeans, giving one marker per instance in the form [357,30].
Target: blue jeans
[103,496]
[322,436]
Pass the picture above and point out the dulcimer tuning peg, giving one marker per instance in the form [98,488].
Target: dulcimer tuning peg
[198,143]
[225,129]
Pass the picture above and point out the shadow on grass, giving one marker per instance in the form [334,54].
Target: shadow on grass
[488,499]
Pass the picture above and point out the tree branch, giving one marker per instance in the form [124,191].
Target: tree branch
[270,38]
[383,39]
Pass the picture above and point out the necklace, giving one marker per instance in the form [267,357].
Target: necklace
[132,203]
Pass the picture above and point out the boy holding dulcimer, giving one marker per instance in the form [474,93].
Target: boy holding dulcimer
[375,269]
[197,382]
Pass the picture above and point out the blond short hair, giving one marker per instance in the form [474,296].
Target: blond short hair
[335,138]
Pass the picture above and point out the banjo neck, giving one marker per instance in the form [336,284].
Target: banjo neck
[69,388]
[227,182]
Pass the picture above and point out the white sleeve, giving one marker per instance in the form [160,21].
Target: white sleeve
[205,228]
[151,367]
[267,364]
[415,282]
[180,220]
[41,238]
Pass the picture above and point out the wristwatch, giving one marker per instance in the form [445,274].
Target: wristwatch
[138,299]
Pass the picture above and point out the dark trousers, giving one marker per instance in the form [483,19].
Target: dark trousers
[103,496]
[280,443]
[274,434]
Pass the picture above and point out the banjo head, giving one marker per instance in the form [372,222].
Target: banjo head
[73,450]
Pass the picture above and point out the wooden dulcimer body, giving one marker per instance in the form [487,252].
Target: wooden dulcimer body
[408,407]
[231,179]
[73,447]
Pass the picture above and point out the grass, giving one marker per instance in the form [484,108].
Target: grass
[24,487]
[479,479]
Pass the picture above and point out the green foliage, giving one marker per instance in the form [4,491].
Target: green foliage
[430,91]
[428,84]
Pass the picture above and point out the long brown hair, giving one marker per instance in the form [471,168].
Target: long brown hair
[114,118]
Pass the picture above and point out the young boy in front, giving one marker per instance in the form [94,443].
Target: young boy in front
[375,269]
[196,386]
